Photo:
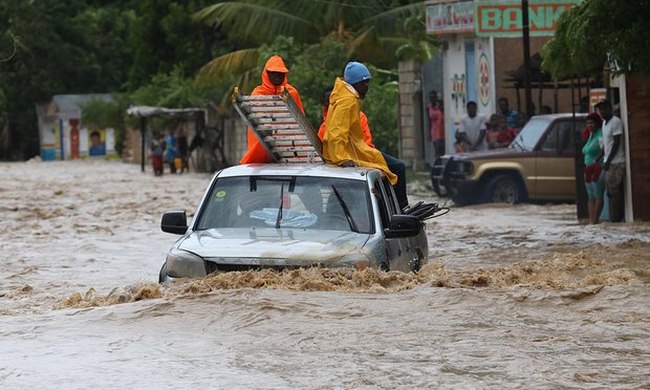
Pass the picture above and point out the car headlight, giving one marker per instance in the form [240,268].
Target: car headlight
[466,167]
[183,264]
[462,167]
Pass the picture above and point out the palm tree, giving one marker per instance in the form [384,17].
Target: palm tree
[371,31]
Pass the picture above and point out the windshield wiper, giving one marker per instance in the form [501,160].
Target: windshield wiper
[344,206]
[279,218]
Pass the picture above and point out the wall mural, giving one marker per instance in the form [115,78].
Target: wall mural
[458,94]
[484,80]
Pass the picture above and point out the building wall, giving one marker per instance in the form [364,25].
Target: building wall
[508,56]
[131,152]
[235,141]
[456,90]
[410,115]
[638,118]
[454,96]
[431,81]
[493,58]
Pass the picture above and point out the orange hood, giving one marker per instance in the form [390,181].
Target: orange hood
[274,64]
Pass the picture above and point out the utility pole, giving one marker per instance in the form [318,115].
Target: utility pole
[526,37]
[143,131]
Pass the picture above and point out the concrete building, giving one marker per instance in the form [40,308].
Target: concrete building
[481,59]
[62,133]
[477,62]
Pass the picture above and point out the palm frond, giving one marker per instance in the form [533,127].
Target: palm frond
[246,81]
[257,21]
[390,22]
[234,63]
[362,38]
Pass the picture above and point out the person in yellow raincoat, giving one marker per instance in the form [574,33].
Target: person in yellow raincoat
[274,78]
[343,142]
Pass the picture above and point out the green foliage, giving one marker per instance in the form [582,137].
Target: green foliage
[381,107]
[64,47]
[172,90]
[102,114]
[168,90]
[91,46]
[370,31]
[324,37]
[163,37]
[103,40]
[314,68]
[419,46]
[598,31]
[149,52]
[9,44]
[44,64]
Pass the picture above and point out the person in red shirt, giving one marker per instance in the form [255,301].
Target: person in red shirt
[274,79]
[499,134]
[436,123]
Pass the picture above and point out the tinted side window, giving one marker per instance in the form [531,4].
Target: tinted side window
[561,137]
[551,139]
[383,206]
[576,136]
[390,197]
[566,139]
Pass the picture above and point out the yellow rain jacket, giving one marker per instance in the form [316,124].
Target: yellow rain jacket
[344,139]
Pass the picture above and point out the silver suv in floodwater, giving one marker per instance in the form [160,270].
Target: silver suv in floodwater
[294,215]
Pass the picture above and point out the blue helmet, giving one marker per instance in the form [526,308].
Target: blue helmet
[355,72]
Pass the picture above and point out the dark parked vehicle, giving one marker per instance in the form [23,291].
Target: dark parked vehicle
[538,165]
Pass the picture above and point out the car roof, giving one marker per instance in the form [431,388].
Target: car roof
[560,115]
[307,169]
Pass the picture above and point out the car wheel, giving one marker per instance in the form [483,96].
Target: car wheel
[504,189]
[162,275]
[416,265]
[438,187]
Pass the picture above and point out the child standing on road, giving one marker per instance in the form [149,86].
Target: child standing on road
[170,150]
[157,153]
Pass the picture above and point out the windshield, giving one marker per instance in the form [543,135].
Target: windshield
[530,134]
[287,202]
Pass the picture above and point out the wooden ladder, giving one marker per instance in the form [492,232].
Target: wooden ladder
[280,126]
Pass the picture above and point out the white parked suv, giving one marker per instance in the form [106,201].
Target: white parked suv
[294,215]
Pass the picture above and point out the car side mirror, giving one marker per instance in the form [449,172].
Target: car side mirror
[401,226]
[174,222]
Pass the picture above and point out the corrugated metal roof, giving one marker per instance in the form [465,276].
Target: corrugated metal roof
[69,106]
[148,111]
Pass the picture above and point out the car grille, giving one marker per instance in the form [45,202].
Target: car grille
[214,267]
[450,166]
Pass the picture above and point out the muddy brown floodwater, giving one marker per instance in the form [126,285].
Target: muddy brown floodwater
[513,297]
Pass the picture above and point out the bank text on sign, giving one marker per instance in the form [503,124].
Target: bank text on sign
[504,18]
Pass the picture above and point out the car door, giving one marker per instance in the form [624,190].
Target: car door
[555,172]
[399,248]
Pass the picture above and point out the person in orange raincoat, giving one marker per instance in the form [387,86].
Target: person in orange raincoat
[344,141]
[274,78]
